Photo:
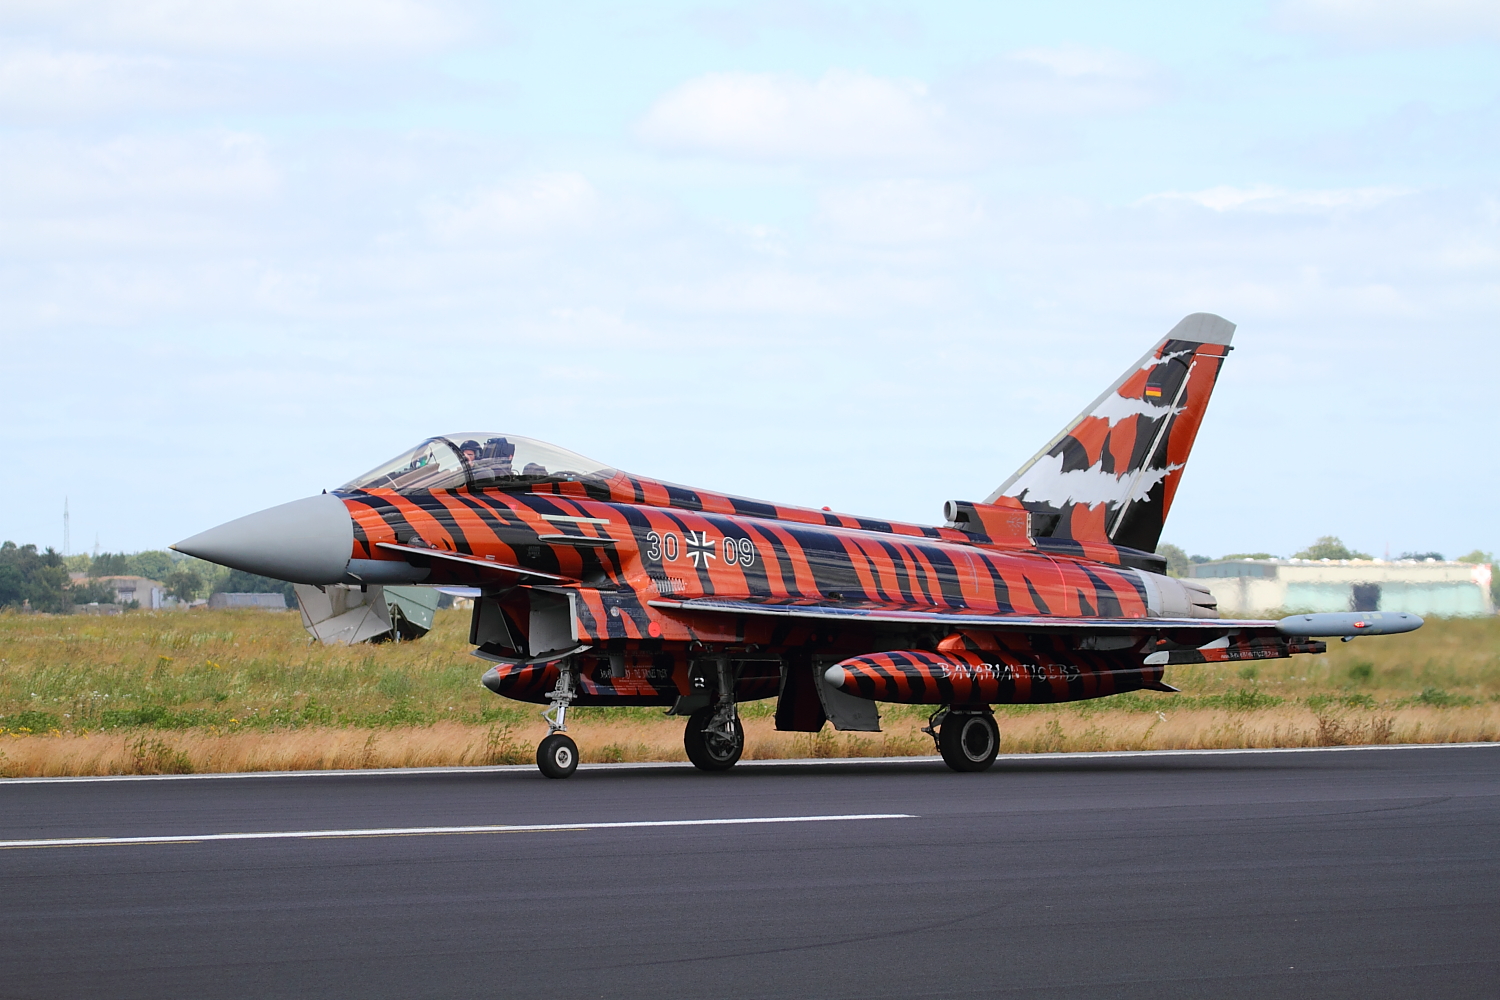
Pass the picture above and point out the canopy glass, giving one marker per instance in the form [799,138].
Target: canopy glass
[477,459]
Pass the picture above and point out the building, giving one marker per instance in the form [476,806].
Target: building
[267,602]
[151,594]
[1426,587]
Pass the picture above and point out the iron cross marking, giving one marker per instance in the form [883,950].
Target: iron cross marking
[699,548]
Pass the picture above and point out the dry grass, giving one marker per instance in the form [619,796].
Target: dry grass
[450,743]
[244,691]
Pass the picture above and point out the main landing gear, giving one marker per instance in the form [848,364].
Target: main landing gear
[715,737]
[968,738]
[557,754]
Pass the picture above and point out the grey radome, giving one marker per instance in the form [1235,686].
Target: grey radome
[305,541]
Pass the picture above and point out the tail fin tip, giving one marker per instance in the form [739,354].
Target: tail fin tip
[1203,328]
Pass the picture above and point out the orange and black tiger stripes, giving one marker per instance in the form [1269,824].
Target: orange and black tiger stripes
[682,553]
[617,555]
[1039,671]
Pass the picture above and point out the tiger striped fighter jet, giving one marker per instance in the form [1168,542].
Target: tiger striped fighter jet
[599,587]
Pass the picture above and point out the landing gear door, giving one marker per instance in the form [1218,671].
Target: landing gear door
[488,628]
[553,625]
[847,712]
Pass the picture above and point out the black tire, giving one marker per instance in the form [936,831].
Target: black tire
[969,742]
[711,751]
[557,756]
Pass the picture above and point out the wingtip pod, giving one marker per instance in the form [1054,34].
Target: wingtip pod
[1349,623]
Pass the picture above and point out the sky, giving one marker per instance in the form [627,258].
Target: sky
[868,256]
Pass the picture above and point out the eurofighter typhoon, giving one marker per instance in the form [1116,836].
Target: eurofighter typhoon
[601,587]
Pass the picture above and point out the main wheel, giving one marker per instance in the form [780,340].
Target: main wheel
[969,742]
[710,751]
[557,756]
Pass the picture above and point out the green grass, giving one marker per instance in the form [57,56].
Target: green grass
[231,670]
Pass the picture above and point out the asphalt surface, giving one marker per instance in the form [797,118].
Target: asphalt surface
[1362,874]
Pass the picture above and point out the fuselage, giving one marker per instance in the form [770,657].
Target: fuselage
[624,550]
[638,552]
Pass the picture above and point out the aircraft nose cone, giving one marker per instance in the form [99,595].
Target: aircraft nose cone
[305,541]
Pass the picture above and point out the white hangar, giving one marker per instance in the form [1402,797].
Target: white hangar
[1426,587]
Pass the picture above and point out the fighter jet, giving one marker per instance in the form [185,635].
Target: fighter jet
[600,587]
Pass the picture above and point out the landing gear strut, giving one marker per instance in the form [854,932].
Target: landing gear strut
[715,737]
[557,754]
[968,739]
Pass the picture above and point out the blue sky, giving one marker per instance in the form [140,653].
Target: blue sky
[862,255]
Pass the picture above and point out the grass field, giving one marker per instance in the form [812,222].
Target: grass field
[245,690]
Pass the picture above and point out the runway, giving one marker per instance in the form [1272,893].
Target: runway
[1357,873]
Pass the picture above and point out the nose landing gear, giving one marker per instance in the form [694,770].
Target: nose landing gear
[557,754]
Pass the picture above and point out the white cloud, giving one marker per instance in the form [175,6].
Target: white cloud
[1267,198]
[856,117]
[1392,21]
[842,116]
[356,27]
[901,211]
[534,206]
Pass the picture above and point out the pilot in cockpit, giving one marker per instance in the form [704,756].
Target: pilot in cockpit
[492,460]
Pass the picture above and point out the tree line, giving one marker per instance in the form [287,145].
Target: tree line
[42,580]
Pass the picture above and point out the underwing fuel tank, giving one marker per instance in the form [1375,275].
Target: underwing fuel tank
[1349,623]
[962,677]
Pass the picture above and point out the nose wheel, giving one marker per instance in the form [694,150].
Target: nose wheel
[557,756]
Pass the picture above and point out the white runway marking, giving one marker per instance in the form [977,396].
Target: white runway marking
[430,831]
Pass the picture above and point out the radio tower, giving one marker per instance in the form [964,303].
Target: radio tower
[67,532]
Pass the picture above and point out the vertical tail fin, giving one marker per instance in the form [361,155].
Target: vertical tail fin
[1111,474]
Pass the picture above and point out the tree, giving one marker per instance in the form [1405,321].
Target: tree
[12,584]
[184,584]
[153,565]
[47,585]
[1329,547]
[111,564]
[91,592]
[240,582]
[1177,559]
[29,575]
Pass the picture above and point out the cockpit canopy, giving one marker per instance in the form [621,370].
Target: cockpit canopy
[480,460]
